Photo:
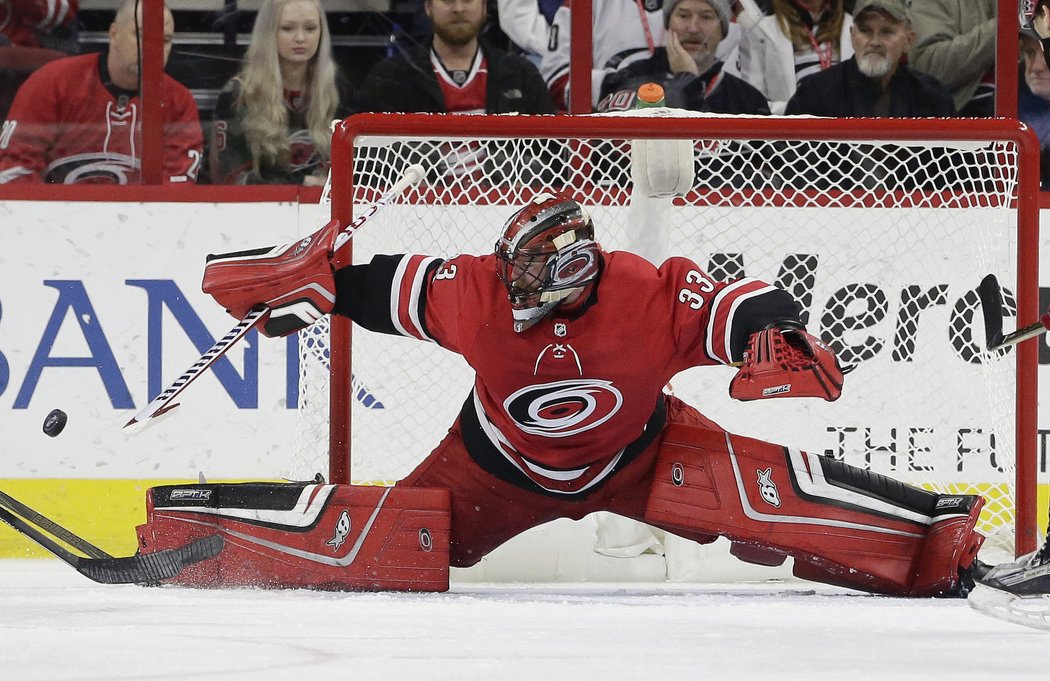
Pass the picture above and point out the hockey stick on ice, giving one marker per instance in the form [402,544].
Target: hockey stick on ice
[991,306]
[140,569]
[45,523]
[162,403]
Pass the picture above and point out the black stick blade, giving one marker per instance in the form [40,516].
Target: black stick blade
[150,567]
[992,307]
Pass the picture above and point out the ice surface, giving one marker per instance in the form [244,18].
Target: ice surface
[55,625]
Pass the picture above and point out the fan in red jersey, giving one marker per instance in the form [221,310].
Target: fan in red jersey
[572,346]
[79,120]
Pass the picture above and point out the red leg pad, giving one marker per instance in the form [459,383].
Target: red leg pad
[843,526]
[292,535]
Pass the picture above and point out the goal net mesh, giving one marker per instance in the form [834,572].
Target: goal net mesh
[882,244]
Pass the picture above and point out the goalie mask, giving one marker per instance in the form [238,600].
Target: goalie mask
[546,254]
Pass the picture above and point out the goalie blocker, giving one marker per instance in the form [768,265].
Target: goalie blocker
[299,535]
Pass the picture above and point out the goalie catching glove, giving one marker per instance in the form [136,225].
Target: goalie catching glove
[783,360]
[295,281]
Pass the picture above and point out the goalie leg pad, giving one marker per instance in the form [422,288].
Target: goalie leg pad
[298,535]
[843,525]
[295,281]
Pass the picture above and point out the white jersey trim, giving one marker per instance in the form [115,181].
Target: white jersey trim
[415,288]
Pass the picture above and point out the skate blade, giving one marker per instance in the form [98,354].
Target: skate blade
[1030,611]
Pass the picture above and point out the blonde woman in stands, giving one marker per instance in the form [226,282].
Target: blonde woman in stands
[272,120]
[799,38]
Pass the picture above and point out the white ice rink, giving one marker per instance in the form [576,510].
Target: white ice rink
[55,625]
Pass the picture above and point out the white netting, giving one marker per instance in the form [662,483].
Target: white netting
[882,243]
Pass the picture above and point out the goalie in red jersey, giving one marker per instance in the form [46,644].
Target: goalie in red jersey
[572,346]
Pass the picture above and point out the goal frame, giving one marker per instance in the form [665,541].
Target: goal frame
[771,128]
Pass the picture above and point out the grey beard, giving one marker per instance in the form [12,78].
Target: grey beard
[874,66]
[704,61]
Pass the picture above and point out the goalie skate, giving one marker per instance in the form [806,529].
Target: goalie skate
[1017,592]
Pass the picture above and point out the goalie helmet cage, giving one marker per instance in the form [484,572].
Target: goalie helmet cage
[881,228]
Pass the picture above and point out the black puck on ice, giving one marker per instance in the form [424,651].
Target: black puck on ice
[54,422]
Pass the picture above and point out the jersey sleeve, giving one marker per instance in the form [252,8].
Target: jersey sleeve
[29,131]
[418,296]
[712,321]
[388,295]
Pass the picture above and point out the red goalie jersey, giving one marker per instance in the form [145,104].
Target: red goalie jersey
[564,404]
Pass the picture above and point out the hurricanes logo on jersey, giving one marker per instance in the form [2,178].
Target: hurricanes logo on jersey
[563,408]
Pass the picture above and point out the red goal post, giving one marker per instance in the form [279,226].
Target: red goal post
[947,201]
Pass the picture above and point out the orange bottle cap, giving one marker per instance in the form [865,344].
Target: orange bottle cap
[650,93]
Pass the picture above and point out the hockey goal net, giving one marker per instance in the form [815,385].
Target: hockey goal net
[881,229]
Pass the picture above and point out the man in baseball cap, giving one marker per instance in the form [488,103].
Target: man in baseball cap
[874,82]
[898,9]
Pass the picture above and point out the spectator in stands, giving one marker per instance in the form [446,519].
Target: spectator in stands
[1033,105]
[874,82]
[956,45]
[50,24]
[455,71]
[800,38]
[78,120]
[273,119]
[623,32]
[527,22]
[691,75]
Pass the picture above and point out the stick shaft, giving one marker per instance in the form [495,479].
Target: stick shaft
[159,404]
[162,403]
[137,569]
[45,523]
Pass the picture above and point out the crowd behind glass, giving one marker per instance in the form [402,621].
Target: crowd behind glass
[72,115]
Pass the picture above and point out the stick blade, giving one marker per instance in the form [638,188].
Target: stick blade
[991,297]
[146,418]
[150,567]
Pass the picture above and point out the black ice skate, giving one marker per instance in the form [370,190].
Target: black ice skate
[1018,591]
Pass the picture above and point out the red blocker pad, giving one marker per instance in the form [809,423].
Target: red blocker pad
[843,525]
[299,535]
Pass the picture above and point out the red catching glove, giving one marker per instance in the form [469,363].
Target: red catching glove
[295,281]
[787,362]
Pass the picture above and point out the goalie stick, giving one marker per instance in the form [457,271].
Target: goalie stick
[162,403]
[992,309]
[139,569]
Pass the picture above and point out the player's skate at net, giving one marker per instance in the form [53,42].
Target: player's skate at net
[572,346]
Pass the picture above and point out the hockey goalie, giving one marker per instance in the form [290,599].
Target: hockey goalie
[572,346]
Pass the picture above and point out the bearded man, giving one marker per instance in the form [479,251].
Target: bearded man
[455,71]
[874,82]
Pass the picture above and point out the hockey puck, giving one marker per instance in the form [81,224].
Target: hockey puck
[54,422]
